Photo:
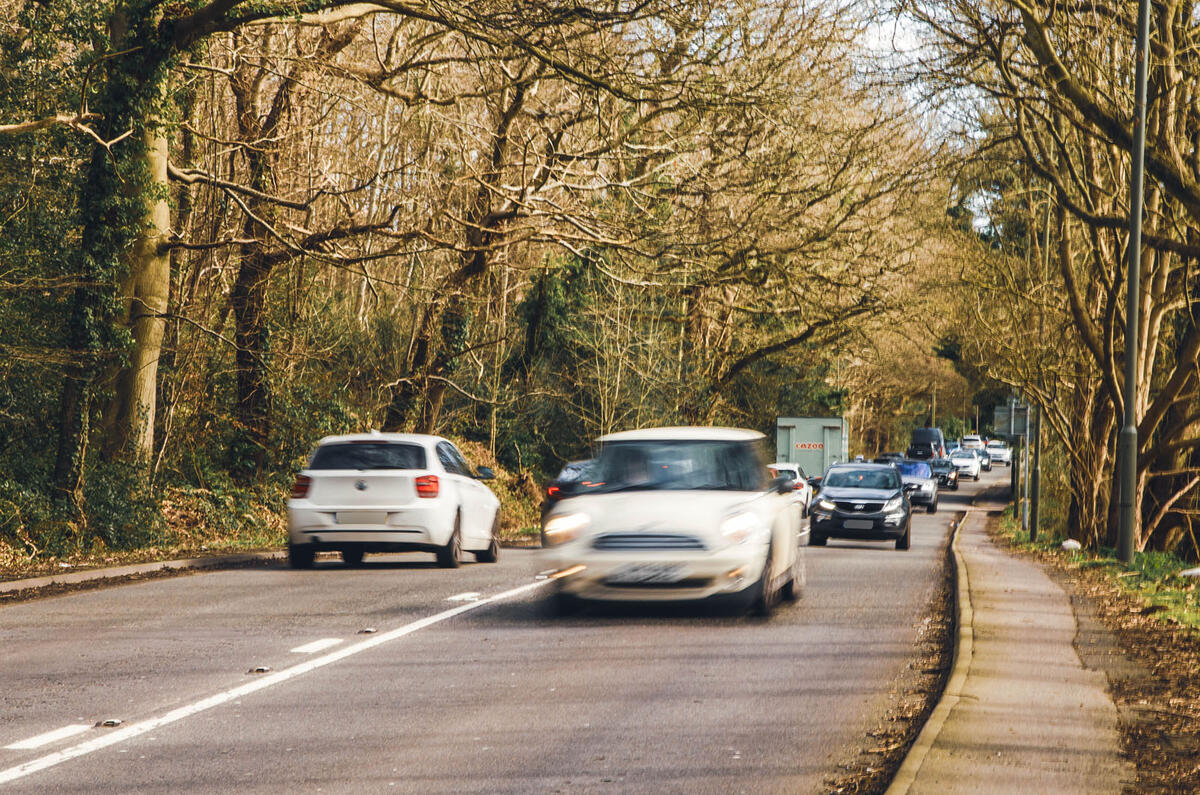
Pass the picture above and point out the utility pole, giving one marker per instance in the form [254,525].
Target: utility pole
[1127,448]
[1036,473]
[933,407]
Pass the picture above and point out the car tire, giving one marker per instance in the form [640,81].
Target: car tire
[352,556]
[903,541]
[492,553]
[765,597]
[932,507]
[793,589]
[559,603]
[301,556]
[450,556]
[977,477]
[816,540]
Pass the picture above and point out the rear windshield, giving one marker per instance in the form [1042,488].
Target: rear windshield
[927,436]
[368,455]
[913,469]
[862,479]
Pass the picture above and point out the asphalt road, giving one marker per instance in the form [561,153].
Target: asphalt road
[499,697]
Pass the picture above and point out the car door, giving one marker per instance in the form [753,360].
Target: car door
[482,501]
[461,481]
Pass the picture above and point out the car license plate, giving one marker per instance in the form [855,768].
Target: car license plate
[859,524]
[361,517]
[638,573]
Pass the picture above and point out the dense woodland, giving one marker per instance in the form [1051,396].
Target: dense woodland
[232,227]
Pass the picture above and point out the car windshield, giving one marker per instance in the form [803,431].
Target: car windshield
[862,479]
[996,443]
[914,469]
[940,463]
[368,455]
[670,465]
[574,471]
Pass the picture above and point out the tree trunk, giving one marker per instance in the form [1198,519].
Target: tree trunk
[129,421]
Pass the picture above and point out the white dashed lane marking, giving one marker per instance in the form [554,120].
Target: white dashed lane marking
[316,645]
[468,596]
[132,730]
[49,737]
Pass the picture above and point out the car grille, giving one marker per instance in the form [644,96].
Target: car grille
[847,506]
[647,541]
[685,584]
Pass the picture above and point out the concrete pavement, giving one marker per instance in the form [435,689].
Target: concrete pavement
[1021,713]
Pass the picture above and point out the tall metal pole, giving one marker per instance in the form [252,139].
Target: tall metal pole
[1035,473]
[1128,442]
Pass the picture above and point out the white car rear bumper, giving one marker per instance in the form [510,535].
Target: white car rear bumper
[428,526]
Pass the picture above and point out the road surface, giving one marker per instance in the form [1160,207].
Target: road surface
[465,684]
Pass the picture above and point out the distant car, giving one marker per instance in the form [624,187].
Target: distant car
[985,458]
[391,492]
[926,443]
[946,473]
[972,441]
[1000,452]
[570,479]
[888,458]
[803,491]
[951,447]
[920,484]
[678,514]
[862,501]
[967,463]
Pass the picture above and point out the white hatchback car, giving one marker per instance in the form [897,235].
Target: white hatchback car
[1000,452]
[803,491]
[967,464]
[678,514]
[391,492]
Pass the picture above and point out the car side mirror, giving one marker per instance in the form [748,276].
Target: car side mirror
[485,473]
[783,484]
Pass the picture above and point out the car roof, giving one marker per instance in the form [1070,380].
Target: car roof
[683,433]
[862,465]
[376,436]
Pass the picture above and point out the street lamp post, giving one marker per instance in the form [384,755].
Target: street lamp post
[1128,442]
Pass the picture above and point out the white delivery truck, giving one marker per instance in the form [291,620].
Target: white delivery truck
[814,443]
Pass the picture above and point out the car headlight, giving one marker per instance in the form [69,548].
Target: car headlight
[565,527]
[824,505]
[739,527]
[894,504]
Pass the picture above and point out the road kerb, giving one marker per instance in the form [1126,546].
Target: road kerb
[70,578]
[964,645]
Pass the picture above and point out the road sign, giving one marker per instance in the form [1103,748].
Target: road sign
[1011,420]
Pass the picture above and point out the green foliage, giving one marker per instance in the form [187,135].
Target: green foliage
[121,511]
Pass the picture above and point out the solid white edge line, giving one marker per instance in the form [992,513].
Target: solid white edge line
[137,729]
[49,737]
[316,645]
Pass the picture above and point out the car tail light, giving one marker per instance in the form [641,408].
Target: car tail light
[797,485]
[552,491]
[301,486]
[427,486]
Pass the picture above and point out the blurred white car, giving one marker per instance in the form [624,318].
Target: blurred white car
[801,490]
[391,492]
[1000,452]
[967,464]
[678,514]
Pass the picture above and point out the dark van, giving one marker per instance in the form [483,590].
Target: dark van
[927,443]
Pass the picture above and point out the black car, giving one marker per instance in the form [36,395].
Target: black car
[926,443]
[945,472]
[861,501]
[570,480]
[889,458]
